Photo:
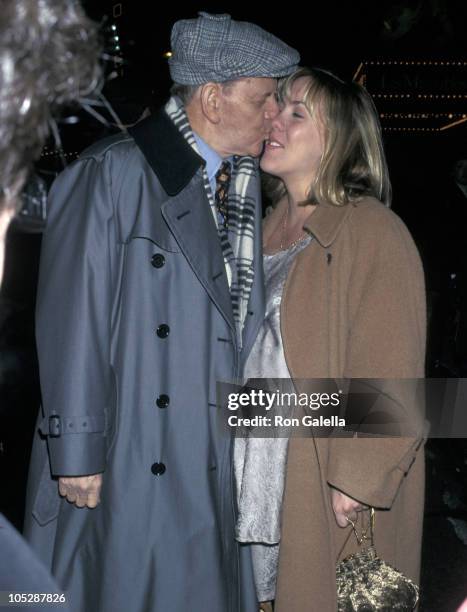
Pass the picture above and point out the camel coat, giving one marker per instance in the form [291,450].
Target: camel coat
[353,306]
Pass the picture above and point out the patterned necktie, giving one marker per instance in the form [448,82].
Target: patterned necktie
[222,192]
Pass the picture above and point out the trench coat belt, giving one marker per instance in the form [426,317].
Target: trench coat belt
[55,425]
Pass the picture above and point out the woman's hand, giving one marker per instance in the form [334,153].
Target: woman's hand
[345,507]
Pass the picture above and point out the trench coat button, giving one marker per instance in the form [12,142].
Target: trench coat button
[158,469]
[163,331]
[163,401]
[158,260]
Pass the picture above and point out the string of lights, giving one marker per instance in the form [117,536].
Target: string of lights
[59,153]
[414,63]
[115,38]
[421,96]
[422,115]
[410,129]
[425,129]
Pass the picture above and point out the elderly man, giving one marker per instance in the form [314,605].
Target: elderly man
[150,292]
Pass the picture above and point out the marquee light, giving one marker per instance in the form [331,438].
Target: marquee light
[420,96]
[414,63]
[396,129]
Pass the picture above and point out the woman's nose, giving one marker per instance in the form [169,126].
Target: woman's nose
[278,122]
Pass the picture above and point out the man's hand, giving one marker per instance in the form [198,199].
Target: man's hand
[345,507]
[83,491]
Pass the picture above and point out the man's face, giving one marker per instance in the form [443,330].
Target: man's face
[247,109]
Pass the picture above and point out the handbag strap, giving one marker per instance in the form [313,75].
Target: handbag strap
[364,536]
[370,528]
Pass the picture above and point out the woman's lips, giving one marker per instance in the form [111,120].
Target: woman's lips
[272,144]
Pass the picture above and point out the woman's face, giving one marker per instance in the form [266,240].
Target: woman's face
[295,147]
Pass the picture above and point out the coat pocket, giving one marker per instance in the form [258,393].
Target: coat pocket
[47,503]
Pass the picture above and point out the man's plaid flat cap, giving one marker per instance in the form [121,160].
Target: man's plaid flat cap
[216,48]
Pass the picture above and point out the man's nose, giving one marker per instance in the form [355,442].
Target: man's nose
[272,108]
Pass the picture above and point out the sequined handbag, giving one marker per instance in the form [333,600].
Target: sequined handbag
[366,583]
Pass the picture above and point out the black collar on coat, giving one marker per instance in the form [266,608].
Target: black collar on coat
[166,151]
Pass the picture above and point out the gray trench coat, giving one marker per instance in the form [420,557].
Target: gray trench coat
[134,328]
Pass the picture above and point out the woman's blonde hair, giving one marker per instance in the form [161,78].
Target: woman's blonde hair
[353,164]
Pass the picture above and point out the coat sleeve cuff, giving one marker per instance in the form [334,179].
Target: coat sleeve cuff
[375,480]
[77,454]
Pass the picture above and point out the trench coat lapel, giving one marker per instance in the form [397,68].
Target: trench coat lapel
[187,210]
[190,219]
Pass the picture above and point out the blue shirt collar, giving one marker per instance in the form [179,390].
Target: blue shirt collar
[212,158]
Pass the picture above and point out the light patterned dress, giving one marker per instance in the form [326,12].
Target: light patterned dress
[260,463]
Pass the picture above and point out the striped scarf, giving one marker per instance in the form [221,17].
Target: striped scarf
[237,240]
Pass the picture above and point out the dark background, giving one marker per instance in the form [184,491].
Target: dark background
[412,57]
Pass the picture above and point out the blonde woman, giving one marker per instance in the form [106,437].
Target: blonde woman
[345,299]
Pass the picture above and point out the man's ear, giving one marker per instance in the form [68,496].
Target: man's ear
[210,99]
